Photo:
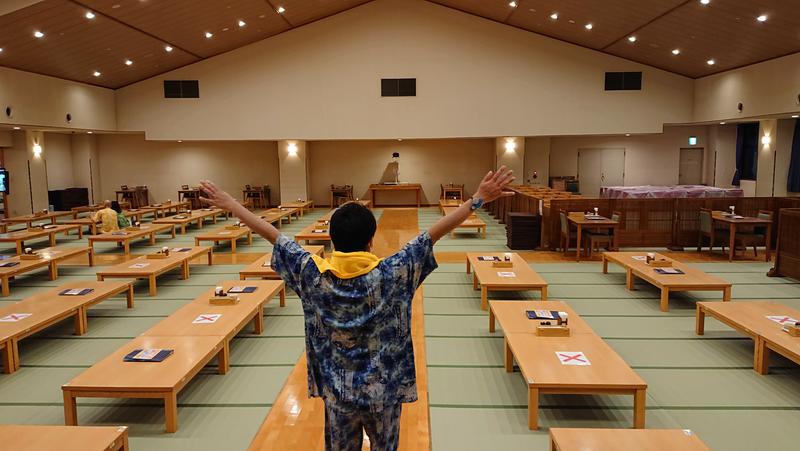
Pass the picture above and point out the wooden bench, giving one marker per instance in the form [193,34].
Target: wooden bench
[19,237]
[150,268]
[199,318]
[196,216]
[581,439]
[163,208]
[472,222]
[519,277]
[303,206]
[225,234]
[285,213]
[692,280]
[137,214]
[28,220]
[313,232]
[64,438]
[127,235]
[581,363]
[753,319]
[114,378]
[50,257]
[259,271]
[42,310]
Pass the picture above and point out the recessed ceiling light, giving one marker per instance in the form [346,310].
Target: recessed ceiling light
[89,132]
[90,15]
[1,50]
[762,18]
[242,23]
[209,35]
[17,128]
[588,26]
[627,134]
[180,140]
[281,10]
[38,34]
[512,4]
[554,16]
[705,2]
[128,63]
[795,116]
[168,48]
[711,62]
[97,73]
[722,123]
[676,51]
[631,38]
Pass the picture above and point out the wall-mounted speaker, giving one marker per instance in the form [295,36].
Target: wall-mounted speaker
[69,118]
[740,107]
[10,111]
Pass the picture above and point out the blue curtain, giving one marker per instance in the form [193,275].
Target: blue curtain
[746,152]
[793,182]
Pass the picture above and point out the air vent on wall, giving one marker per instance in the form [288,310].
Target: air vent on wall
[181,89]
[398,87]
[623,81]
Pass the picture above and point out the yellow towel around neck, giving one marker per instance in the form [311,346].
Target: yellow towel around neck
[347,265]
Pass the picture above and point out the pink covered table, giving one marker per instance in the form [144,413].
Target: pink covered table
[673,191]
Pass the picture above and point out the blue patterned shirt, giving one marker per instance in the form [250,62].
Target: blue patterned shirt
[358,331]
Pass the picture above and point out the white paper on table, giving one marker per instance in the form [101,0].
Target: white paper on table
[224,233]
[208,318]
[641,258]
[139,265]
[576,358]
[782,319]
[14,317]
[506,274]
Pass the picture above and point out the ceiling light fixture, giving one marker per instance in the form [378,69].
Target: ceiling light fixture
[242,23]
[1,50]
[554,16]
[512,4]
[128,63]
[795,116]
[90,15]
[676,51]
[722,123]
[711,62]
[627,134]
[89,132]
[97,73]
[588,26]
[281,10]
[38,34]
[705,2]
[631,38]
[17,128]
[168,48]
[762,18]
[209,35]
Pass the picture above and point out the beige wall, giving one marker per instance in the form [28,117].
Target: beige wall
[722,142]
[43,101]
[26,186]
[58,159]
[430,162]
[537,158]
[767,88]
[293,170]
[85,165]
[476,78]
[649,159]
[513,159]
[783,147]
[165,166]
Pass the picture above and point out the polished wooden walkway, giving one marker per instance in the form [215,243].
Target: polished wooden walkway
[296,422]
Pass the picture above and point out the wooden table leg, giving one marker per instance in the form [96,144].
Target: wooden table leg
[726,294]
[630,280]
[616,238]
[233,246]
[151,280]
[126,246]
[731,241]
[53,270]
[761,356]
[196,241]
[79,322]
[491,320]
[223,358]
[258,321]
[700,321]
[543,291]
[210,257]
[70,409]
[90,254]
[475,282]
[185,270]
[639,404]
[484,298]
[282,295]
[469,267]
[533,408]
[6,290]
[768,243]
[508,359]
[7,357]
[171,411]
[605,264]
[53,239]
[664,299]
[129,295]
[578,243]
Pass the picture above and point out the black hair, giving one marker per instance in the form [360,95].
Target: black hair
[352,228]
[115,206]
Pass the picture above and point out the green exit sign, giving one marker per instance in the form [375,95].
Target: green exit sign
[693,140]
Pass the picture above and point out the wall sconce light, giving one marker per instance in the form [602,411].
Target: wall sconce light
[37,150]
[510,145]
[292,149]
[766,140]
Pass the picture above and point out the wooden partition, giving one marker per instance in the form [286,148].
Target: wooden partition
[787,255]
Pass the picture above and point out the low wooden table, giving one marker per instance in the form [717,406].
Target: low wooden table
[732,222]
[400,187]
[448,203]
[302,205]
[581,222]
[28,220]
[558,365]
[19,237]
[51,257]
[519,277]
[48,308]
[225,234]
[196,216]
[512,317]
[137,214]
[692,280]
[150,268]
[199,318]
[313,232]
[259,271]
[76,211]
[114,378]
[166,207]
[83,222]
[472,222]
[752,319]
[64,438]
[564,439]
[125,236]
[284,212]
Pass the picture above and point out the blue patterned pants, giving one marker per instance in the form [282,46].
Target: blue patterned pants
[344,426]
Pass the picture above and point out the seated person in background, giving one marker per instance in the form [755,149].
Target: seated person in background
[357,310]
[122,221]
[107,218]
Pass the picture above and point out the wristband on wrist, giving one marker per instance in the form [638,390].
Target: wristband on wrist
[476,204]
